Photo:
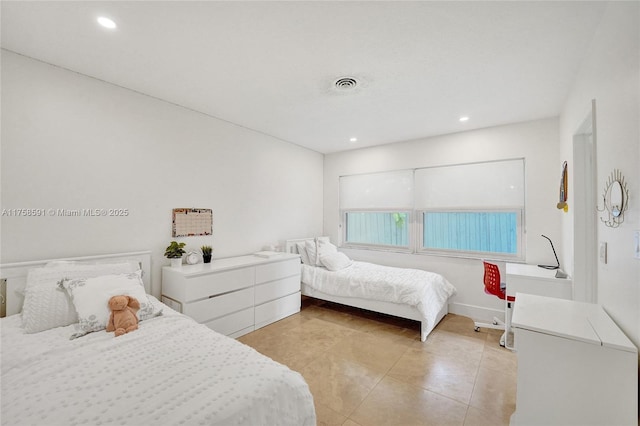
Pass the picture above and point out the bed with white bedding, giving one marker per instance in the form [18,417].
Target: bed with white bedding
[170,371]
[408,293]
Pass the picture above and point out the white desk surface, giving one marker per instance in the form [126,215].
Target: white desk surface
[532,271]
[525,278]
[585,322]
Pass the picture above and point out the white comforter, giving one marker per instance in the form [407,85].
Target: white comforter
[427,291]
[170,371]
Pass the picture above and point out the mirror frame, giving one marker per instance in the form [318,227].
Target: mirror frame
[615,188]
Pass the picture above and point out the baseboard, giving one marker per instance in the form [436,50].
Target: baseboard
[476,313]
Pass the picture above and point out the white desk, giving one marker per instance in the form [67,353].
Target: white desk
[532,279]
[575,366]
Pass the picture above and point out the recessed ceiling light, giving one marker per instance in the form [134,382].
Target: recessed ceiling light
[353,140]
[465,118]
[106,22]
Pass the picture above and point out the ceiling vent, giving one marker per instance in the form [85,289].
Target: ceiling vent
[346,83]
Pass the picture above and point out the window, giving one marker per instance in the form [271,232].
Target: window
[474,232]
[377,228]
[474,210]
[376,210]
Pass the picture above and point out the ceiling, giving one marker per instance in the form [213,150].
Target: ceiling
[271,66]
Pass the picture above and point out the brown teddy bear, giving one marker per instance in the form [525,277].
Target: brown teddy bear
[123,318]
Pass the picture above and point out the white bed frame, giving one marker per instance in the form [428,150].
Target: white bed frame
[15,274]
[395,309]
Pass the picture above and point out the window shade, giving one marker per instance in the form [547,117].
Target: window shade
[491,184]
[388,190]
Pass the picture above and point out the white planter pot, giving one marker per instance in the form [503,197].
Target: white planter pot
[176,262]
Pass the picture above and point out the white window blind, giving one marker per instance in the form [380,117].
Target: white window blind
[495,184]
[387,190]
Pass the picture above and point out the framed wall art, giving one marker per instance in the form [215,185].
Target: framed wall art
[189,222]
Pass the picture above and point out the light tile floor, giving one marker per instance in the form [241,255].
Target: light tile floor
[370,369]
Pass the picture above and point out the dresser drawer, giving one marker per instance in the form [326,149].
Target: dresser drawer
[277,270]
[231,324]
[216,307]
[275,289]
[201,286]
[277,309]
[229,294]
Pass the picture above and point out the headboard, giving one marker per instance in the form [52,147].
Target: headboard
[14,275]
[290,245]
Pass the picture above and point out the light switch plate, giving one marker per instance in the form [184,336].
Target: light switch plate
[603,253]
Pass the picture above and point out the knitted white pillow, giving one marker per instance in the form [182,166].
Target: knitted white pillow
[46,306]
[91,296]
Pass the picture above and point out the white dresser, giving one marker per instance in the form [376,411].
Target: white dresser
[237,295]
[575,366]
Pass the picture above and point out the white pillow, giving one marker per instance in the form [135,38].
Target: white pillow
[302,251]
[91,296]
[336,261]
[312,251]
[325,247]
[46,306]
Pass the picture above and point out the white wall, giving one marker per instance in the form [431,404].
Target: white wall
[536,141]
[73,142]
[611,75]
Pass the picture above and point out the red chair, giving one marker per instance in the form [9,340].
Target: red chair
[494,287]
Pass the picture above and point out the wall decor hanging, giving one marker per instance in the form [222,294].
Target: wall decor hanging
[564,189]
[191,222]
[615,200]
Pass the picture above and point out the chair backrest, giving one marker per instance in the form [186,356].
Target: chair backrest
[492,279]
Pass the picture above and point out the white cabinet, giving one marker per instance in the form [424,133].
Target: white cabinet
[575,366]
[235,296]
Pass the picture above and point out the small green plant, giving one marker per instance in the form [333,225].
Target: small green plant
[175,250]
[399,219]
[206,250]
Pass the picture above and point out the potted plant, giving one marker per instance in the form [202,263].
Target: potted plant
[206,253]
[174,252]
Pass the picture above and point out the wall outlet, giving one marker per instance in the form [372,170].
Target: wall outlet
[603,252]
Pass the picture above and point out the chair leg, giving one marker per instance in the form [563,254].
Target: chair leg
[497,324]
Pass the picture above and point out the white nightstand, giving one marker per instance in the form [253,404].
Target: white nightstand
[236,295]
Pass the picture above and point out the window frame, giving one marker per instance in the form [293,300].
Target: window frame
[468,254]
[498,186]
[379,247]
